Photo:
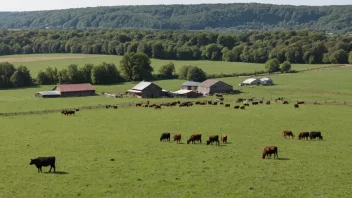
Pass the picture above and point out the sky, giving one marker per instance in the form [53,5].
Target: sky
[31,5]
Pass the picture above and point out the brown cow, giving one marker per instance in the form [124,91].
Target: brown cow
[303,135]
[214,138]
[246,104]
[287,133]
[242,107]
[268,150]
[285,102]
[268,102]
[296,105]
[300,102]
[224,138]
[157,107]
[195,137]
[177,137]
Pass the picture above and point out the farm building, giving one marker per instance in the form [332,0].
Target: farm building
[146,90]
[187,93]
[67,90]
[211,86]
[48,94]
[266,81]
[251,81]
[190,85]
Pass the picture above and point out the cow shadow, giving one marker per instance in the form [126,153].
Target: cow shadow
[222,145]
[57,173]
[283,158]
[228,143]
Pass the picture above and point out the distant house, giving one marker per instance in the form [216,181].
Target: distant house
[146,90]
[266,81]
[212,86]
[190,85]
[251,81]
[68,90]
[187,93]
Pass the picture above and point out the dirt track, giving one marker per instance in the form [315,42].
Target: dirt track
[33,59]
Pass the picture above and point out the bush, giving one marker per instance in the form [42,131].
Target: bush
[285,67]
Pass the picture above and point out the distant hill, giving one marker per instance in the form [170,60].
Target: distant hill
[216,17]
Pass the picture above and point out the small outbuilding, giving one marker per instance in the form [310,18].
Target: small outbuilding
[212,86]
[187,93]
[251,81]
[146,90]
[69,90]
[266,81]
[190,85]
[48,94]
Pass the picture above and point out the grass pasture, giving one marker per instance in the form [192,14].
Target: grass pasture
[144,167]
[38,62]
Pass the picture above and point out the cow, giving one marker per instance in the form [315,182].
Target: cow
[214,138]
[242,107]
[221,103]
[255,103]
[63,112]
[165,137]
[177,137]
[268,102]
[157,107]
[246,104]
[76,109]
[115,107]
[287,133]
[195,137]
[43,161]
[224,138]
[138,104]
[261,102]
[227,105]
[300,102]
[218,95]
[215,103]
[296,105]
[236,107]
[268,150]
[285,102]
[303,135]
[202,103]
[315,134]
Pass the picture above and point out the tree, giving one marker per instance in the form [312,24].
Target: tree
[105,73]
[285,67]
[272,65]
[74,75]
[183,72]
[167,71]
[136,66]
[158,50]
[86,72]
[6,71]
[196,74]
[43,79]
[350,58]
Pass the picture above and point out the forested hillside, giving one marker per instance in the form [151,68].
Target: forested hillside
[293,46]
[217,17]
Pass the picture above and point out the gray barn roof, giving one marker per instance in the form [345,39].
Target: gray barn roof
[191,83]
[208,83]
[49,93]
[142,85]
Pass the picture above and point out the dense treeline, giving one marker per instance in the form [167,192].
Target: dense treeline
[258,47]
[237,16]
[14,77]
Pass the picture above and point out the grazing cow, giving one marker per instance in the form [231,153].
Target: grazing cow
[315,134]
[296,105]
[300,102]
[215,103]
[227,105]
[43,161]
[239,100]
[242,107]
[246,104]
[285,102]
[63,112]
[157,107]
[268,102]
[221,99]
[177,137]
[165,137]
[76,109]
[303,135]
[236,107]
[261,102]
[268,150]
[218,95]
[255,103]
[115,107]
[224,139]
[222,103]
[195,137]
[287,133]
[214,138]
[202,103]
[197,103]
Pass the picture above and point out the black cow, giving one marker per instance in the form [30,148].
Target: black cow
[212,139]
[296,105]
[43,161]
[236,107]
[227,105]
[255,103]
[303,135]
[165,136]
[315,134]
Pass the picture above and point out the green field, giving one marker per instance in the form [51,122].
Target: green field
[35,63]
[144,167]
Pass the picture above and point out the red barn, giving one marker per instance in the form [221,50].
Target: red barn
[69,90]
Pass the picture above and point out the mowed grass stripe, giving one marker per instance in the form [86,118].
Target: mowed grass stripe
[84,145]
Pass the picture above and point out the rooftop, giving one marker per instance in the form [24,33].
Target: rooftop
[182,91]
[75,87]
[249,80]
[208,83]
[191,83]
[49,93]
[142,85]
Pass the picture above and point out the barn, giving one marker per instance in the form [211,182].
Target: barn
[70,90]
[212,86]
[186,93]
[146,90]
[266,81]
[190,85]
[251,81]
[48,94]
